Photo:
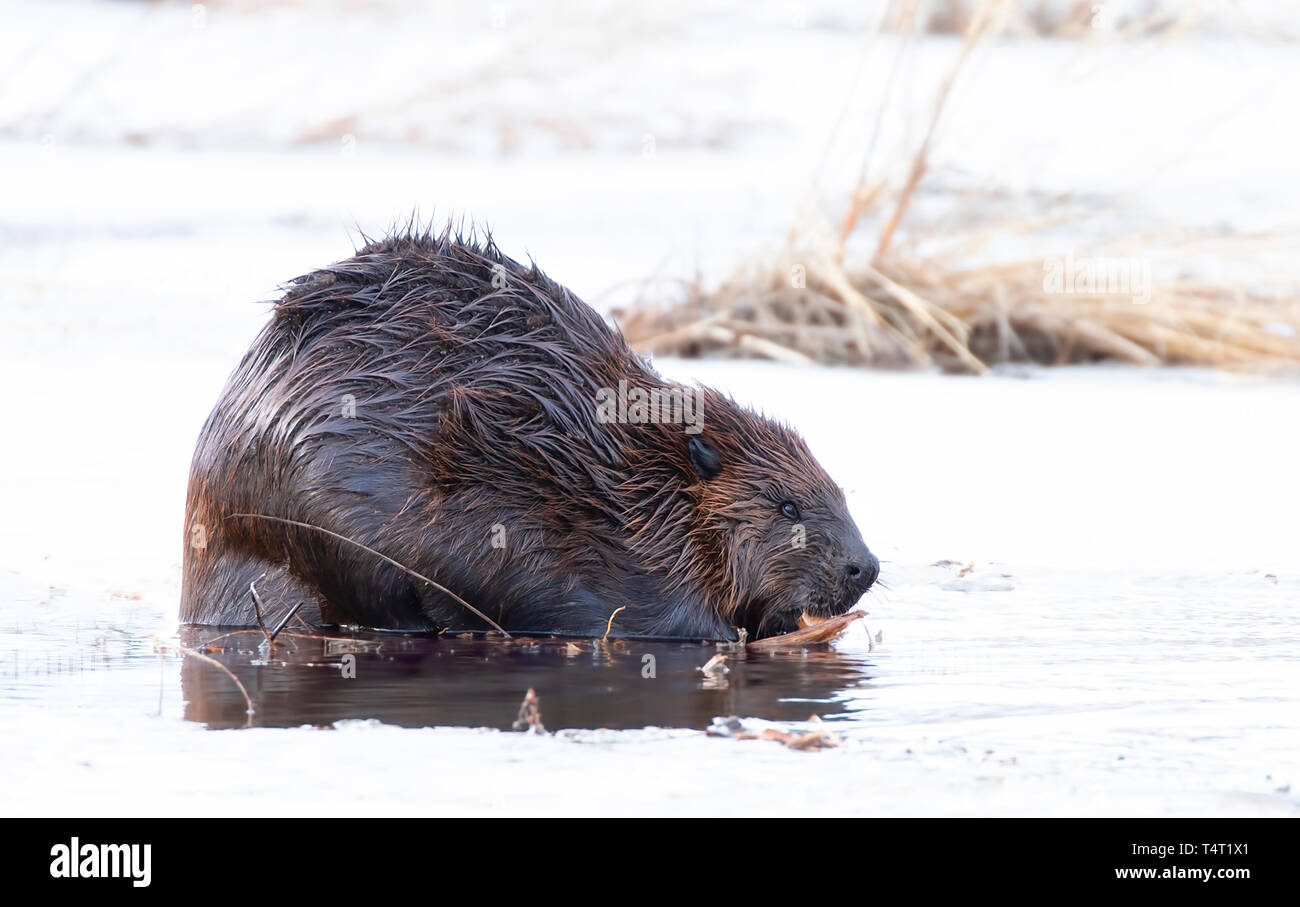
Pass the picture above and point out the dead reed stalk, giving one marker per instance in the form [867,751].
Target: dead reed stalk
[1126,299]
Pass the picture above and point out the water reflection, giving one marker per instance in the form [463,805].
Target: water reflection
[417,681]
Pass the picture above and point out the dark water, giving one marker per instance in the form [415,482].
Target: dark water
[417,681]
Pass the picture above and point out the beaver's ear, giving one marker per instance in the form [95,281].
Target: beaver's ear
[705,458]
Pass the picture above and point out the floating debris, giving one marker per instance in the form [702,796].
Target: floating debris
[530,716]
[715,665]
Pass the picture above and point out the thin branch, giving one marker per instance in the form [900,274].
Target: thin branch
[405,569]
[248,701]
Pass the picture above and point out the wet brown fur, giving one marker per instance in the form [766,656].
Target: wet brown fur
[475,382]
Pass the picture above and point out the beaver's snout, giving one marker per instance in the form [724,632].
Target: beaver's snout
[858,569]
[860,572]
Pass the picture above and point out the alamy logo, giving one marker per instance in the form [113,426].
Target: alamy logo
[657,405]
[102,861]
[1096,276]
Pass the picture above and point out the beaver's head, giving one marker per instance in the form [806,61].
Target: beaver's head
[776,526]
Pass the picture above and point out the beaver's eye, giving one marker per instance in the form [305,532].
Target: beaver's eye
[790,510]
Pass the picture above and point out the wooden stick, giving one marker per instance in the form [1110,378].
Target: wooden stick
[343,538]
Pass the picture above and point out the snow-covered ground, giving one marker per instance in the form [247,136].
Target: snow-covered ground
[1126,641]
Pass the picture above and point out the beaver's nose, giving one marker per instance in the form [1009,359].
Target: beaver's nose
[861,573]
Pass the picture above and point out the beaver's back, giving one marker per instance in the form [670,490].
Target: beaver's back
[419,365]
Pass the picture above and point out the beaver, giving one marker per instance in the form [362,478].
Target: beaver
[431,435]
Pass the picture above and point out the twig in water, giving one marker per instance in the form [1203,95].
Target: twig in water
[257,609]
[405,569]
[211,644]
[285,620]
[248,701]
[609,626]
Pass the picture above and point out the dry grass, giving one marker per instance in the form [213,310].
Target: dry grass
[905,312]
[1058,18]
[960,309]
